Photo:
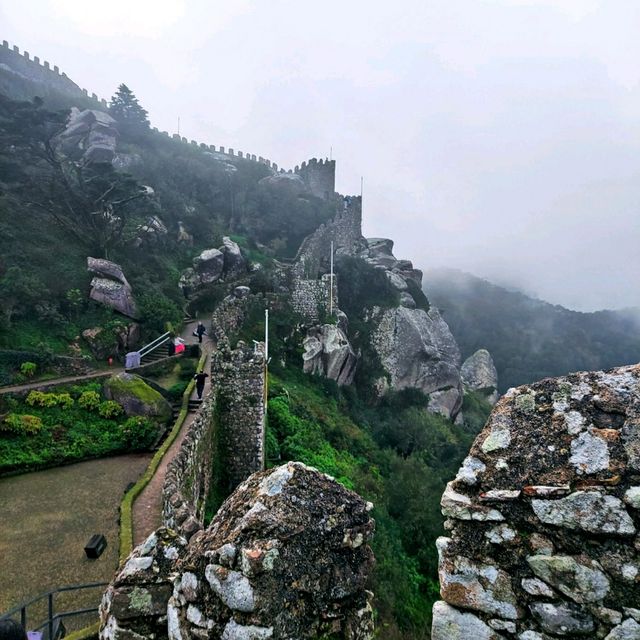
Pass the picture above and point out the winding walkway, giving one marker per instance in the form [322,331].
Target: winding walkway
[147,508]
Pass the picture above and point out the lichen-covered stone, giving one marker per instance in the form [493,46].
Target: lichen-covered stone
[287,556]
[582,580]
[451,624]
[562,619]
[557,464]
[472,585]
[591,511]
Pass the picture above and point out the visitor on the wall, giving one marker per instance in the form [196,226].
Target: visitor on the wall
[12,630]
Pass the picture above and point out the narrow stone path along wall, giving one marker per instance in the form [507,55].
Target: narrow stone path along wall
[543,516]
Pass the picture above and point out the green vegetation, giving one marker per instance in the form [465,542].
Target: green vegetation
[49,429]
[527,338]
[395,454]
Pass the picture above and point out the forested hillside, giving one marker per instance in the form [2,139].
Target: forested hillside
[530,339]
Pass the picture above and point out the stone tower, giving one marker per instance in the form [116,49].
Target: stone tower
[319,176]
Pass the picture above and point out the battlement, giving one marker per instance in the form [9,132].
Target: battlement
[48,76]
[319,176]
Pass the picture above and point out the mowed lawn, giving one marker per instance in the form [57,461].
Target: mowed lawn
[46,518]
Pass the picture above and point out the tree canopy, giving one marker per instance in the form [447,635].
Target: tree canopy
[126,109]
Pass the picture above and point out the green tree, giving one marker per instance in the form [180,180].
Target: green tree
[126,109]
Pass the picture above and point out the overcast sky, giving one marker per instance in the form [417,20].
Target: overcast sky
[501,137]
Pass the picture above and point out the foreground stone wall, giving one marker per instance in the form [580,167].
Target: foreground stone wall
[543,516]
[287,556]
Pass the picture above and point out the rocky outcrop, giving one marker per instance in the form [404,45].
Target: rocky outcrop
[418,351]
[478,373]
[234,262]
[286,556]
[543,516]
[137,397]
[90,136]
[328,353]
[103,344]
[288,182]
[110,287]
[214,265]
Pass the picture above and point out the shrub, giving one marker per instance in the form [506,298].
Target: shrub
[21,424]
[89,400]
[138,432]
[176,390]
[48,400]
[110,409]
[28,369]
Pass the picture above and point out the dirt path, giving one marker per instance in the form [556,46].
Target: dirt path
[43,384]
[147,509]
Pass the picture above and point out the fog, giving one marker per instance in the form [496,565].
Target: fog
[501,137]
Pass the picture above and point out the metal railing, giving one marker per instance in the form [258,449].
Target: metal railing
[52,616]
[148,348]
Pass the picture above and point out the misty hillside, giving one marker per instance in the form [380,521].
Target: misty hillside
[531,339]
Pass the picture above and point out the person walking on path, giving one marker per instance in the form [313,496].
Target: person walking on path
[200,378]
[200,331]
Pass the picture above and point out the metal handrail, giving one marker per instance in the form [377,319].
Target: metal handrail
[51,616]
[148,348]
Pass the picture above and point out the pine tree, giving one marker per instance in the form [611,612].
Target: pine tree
[126,109]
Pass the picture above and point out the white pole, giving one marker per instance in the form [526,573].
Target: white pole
[331,283]
[266,336]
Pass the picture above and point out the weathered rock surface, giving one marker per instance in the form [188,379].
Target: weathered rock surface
[418,351]
[110,287]
[137,397]
[480,374]
[328,353]
[214,265]
[287,556]
[543,515]
[90,136]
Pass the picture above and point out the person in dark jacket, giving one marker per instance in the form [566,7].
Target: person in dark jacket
[12,630]
[200,331]
[200,378]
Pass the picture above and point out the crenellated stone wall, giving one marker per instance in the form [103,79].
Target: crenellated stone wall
[544,514]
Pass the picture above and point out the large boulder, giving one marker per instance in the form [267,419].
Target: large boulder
[544,514]
[208,266]
[478,373]
[110,287]
[90,136]
[234,263]
[418,351]
[137,397]
[327,352]
[286,556]
[288,182]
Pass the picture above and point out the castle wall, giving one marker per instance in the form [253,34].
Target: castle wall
[188,478]
[311,298]
[47,76]
[228,429]
[319,176]
[345,231]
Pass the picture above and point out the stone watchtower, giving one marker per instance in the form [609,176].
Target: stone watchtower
[319,176]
